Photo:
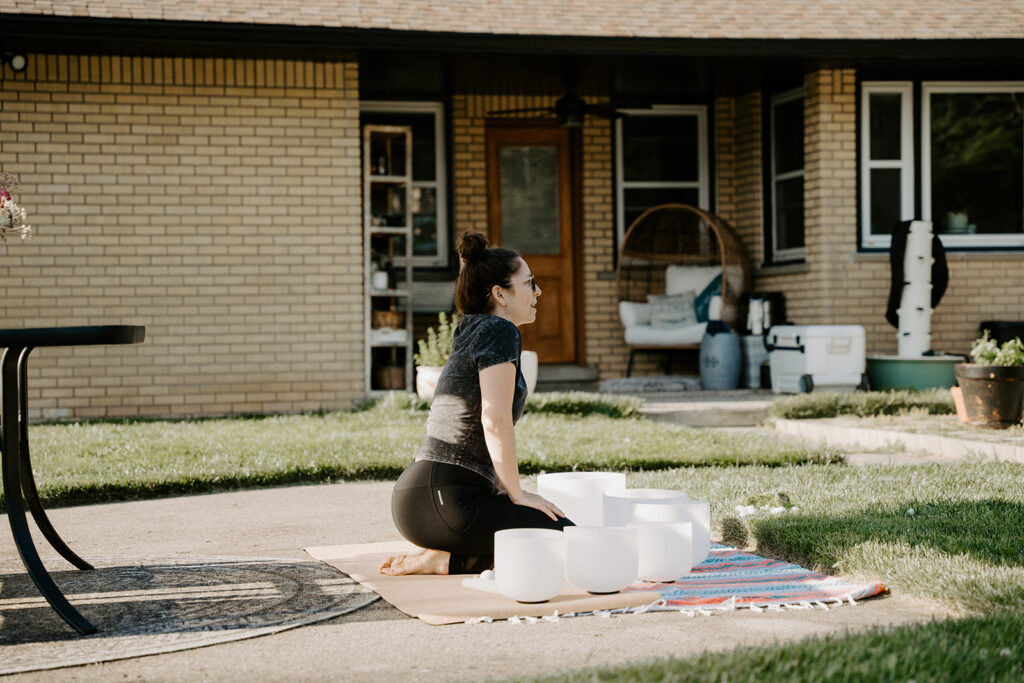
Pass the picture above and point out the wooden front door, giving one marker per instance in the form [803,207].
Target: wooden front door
[530,209]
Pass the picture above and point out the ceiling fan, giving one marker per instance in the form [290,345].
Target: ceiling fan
[570,109]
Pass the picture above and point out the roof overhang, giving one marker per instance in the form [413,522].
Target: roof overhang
[90,35]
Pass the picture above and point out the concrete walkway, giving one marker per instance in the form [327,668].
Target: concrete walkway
[379,642]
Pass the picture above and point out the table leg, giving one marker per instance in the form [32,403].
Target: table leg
[9,399]
[28,480]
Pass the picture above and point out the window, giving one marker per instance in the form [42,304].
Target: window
[787,175]
[661,157]
[887,154]
[972,163]
[971,169]
[429,174]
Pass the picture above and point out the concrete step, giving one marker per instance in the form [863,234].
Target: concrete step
[567,377]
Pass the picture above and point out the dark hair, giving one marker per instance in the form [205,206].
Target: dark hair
[482,268]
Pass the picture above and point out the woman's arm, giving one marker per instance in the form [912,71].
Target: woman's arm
[497,388]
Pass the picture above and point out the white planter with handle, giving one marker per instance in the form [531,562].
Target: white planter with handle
[426,380]
[528,363]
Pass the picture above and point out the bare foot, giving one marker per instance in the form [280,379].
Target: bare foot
[427,562]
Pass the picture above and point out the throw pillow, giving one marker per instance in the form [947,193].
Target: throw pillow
[672,310]
[703,300]
[634,313]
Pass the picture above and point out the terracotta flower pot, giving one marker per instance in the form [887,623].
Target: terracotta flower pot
[993,394]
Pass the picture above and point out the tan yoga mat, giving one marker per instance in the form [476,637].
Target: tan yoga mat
[443,599]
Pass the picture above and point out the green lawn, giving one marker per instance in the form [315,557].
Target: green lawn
[106,460]
[963,545]
[863,404]
[974,649]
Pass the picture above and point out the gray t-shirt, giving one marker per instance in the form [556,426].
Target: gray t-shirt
[455,433]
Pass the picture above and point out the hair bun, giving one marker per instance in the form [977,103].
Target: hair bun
[472,246]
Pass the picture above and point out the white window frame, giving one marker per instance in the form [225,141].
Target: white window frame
[797,253]
[905,164]
[702,184]
[440,182]
[927,89]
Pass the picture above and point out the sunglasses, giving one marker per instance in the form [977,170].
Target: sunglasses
[532,280]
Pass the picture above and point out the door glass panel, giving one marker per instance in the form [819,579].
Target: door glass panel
[529,199]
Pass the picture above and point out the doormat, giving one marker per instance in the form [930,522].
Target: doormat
[158,604]
[650,384]
[731,578]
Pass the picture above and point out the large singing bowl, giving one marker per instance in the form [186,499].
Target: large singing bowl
[601,559]
[579,494]
[529,564]
[665,550]
[696,511]
[619,506]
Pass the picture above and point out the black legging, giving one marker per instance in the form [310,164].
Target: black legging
[448,507]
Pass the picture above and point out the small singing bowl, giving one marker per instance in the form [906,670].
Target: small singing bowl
[601,559]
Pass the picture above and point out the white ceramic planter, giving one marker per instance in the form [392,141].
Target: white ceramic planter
[618,506]
[529,364]
[426,380]
[529,564]
[601,559]
[665,550]
[580,494]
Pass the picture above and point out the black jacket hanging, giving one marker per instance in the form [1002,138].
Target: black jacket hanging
[897,252]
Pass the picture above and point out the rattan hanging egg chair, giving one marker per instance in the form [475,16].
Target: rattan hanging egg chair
[679,235]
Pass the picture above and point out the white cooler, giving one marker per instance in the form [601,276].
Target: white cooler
[816,357]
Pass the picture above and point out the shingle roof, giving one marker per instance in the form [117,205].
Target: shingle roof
[700,19]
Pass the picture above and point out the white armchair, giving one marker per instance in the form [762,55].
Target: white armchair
[677,319]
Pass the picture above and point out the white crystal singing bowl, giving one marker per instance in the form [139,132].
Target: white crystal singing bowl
[579,494]
[529,564]
[601,559]
[665,550]
[618,505]
[696,511]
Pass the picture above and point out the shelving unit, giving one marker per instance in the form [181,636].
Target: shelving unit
[387,220]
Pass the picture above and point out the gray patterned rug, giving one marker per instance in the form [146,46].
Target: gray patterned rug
[162,604]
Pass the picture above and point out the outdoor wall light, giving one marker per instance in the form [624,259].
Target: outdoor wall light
[17,60]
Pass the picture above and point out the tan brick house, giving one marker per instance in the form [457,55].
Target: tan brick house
[195,168]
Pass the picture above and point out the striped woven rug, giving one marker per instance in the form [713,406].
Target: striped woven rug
[731,578]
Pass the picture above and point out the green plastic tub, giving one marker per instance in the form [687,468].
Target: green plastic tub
[926,372]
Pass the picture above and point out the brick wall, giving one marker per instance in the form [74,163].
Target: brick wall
[216,202]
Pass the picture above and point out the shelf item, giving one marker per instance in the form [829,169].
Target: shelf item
[384,336]
[387,239]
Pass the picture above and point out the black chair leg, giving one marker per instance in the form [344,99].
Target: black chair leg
[12,462]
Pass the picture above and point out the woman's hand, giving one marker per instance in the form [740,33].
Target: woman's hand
[538,502]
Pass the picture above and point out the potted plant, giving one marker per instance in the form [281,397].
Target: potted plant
[433,354]
[12,216]
[993,384]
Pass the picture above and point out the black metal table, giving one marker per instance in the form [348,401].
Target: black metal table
[17,467]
